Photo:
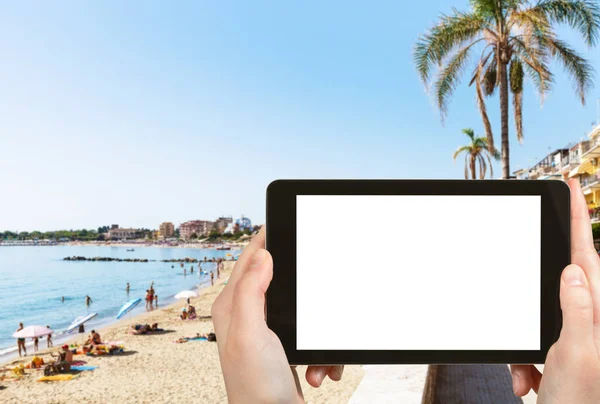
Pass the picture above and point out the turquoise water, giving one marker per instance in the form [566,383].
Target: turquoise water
[34,279]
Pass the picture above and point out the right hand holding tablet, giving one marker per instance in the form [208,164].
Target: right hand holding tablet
[572,368]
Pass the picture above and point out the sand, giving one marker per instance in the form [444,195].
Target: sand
[153,369]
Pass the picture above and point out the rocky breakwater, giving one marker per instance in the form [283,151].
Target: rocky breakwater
[80,258]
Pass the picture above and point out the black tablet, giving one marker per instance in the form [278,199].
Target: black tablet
[416,271]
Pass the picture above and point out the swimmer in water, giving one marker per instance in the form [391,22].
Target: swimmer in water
[88,301]
[127,287]
[62,299]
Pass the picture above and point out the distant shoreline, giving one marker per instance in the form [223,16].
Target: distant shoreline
[201,246]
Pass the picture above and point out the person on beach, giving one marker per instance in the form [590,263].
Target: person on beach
[88,301]
[219,269]
[570,374]
[64,360]
[184,314]
[127,288]
[21,341]
[36,342]
[81,329]
[155,300]
[148,301]
[94,339]
[49,339]
[212,279]
[184,272]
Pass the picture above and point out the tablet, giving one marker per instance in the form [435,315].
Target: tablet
[416,271]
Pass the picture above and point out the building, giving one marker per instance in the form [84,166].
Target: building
[241,224]
[166,229]
[222,223]
[579,161]
[197,227]
[124,234]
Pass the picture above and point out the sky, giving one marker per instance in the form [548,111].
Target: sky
[136,113]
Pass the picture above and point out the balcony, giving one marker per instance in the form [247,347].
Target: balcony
[590,182]
[590,150]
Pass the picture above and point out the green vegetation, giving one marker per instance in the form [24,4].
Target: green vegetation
[476,151]
[72,235]
[512,39]
[596,231]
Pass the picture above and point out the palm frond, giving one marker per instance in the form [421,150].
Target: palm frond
[483,110]
[487,155]
[482,167]
[516,87]
[577,67]
[582,15]
[535,61]
[449,78]
[450,32]
[470,133]
[460,150]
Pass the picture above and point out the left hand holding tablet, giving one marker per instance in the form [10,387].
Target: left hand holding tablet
[572,368]
[254,364]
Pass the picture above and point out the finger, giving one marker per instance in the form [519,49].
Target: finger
[241,265]
[221,309]
[583,252]
[522,379]
[248,306]
[316,374]
[536,376]
[335,373]
[577,307]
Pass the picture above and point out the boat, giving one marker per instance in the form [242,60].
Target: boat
[130,249]
[224,248]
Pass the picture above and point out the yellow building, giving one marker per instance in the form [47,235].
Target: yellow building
[588,172]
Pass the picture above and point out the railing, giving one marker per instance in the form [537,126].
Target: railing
[590,179]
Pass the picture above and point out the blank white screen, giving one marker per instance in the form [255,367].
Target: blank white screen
[433,272]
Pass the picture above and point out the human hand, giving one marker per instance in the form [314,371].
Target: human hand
[572,368]
[253,361]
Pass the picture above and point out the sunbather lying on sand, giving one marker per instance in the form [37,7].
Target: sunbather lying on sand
[144,329]
[209,337]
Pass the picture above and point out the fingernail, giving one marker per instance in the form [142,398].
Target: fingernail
[516,382]
[257,258]
[574,276]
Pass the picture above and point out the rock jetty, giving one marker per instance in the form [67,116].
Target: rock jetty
[80,258]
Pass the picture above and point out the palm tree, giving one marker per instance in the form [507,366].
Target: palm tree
[476,152]
[515,38]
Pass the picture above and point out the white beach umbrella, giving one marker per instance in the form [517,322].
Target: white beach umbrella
[186,294]
[81,320]
[33,331]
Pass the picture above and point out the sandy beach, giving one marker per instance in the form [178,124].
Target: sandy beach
[153,369]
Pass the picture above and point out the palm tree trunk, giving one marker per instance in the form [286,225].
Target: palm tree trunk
[504,118]
[473,173]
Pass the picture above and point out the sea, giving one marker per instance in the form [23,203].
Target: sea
[34,279]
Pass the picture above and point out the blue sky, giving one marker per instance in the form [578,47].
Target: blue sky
[141,112]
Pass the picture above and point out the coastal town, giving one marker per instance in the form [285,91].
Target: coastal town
[203,233]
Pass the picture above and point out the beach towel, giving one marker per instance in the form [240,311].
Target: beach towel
[56,378]
[82,368]
[78,363]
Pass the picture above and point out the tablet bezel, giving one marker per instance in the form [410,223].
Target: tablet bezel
[281,243]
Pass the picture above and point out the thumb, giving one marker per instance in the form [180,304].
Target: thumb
[577,306]
[248,308]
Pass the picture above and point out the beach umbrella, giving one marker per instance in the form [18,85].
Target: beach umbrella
[81,320]
[186,294]
[33,331]
[127,307]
